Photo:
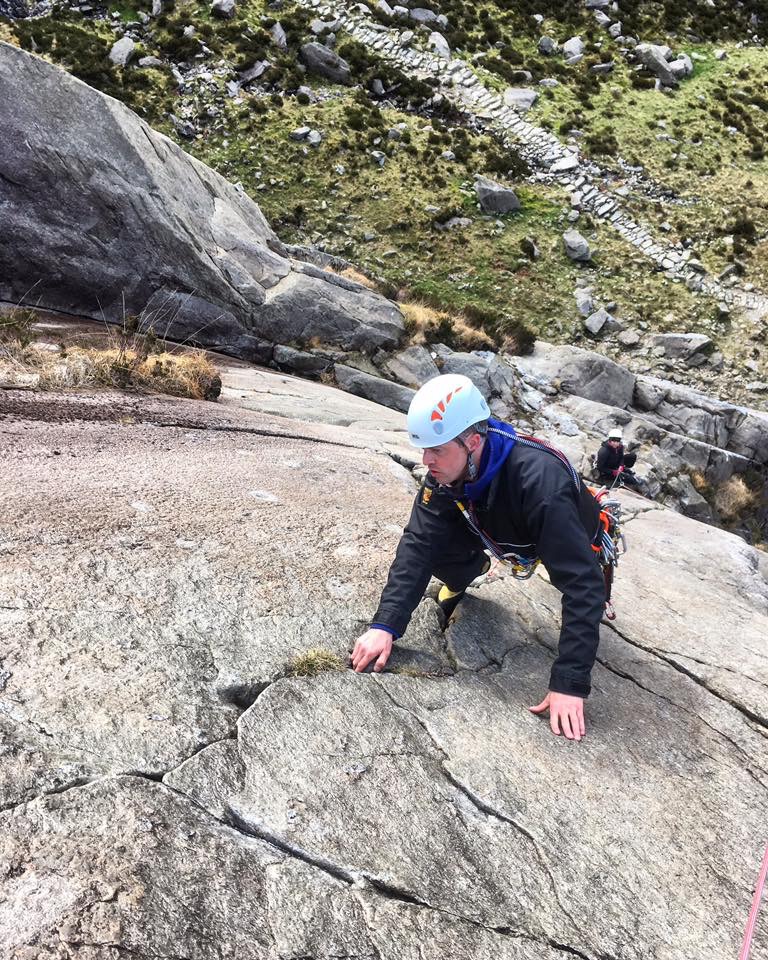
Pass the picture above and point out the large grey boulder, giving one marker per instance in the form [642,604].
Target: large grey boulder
[683,346]
[412,366]
[675,407]
[654,58]
[520,98]
[574,47]
[103,217]
[576,246]
[493,377]
[423,15]
[495,197]
[122,51]
[439,44]
[224,9]
[323,62]
[579,372]
[378,389]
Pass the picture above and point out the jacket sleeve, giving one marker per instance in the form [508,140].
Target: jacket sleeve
[433,517]
[551,509]
[602,459]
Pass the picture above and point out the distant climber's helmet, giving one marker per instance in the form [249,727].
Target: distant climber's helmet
[616,434]
[443,408]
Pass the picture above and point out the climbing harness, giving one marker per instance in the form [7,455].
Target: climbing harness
[608,544]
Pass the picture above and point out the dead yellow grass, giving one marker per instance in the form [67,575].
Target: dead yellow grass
[351,274]
[426,325]
[313,662]
[189,374]
[733,497]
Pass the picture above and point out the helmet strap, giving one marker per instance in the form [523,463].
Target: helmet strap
[471,465]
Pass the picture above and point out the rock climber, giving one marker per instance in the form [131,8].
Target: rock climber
[490,493]
[613,464]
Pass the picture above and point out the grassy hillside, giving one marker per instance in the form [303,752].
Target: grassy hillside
[702,145]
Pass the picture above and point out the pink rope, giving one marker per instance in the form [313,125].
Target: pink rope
[750,931]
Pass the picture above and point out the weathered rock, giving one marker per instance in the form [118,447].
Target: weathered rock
[493,377]
[576,246]
[225,9]
[278,35]
[381,391]
[585,303]
[654,59]
[573,48]
[439,44]
[547,46]
[254,72]
[413,366]
[495,197]
[151,62]
[324,62]
[576,371]
[529,248]
[691,502]
[383,7]
[520,98]
[164,652]
[306,364]
[187,252]
[422,15]
[122,51]
[682,346]
[598,322]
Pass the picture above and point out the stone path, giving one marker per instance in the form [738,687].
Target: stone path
[554,161]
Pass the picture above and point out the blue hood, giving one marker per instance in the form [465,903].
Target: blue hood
[497,448]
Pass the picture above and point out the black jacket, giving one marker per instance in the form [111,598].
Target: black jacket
[609,458]
[533,508]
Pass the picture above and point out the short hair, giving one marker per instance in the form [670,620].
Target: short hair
[480,427]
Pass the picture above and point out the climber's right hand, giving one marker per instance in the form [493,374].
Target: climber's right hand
[375,644]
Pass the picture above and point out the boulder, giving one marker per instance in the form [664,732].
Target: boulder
[439,44]
[520,98]
[412,366]
[585,303]
[495,197]
[579,372]
[311,365]
[278,35]
[493,377]
[599,322]
[422,15]
[323,62]
[159,236]
[384,8]
[654,58]
[576,246]
[122,51]
[690,502]
[224,9]
[365,385]
[573,48]
[547,46]
[682,346]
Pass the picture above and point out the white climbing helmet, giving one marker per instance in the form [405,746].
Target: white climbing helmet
[616,434]
[443,408]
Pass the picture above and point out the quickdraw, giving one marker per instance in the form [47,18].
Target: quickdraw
[523,568]
[610,544]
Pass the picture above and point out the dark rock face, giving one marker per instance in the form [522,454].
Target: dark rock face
[103,217]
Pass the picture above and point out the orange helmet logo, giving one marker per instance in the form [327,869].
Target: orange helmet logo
[439,410]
